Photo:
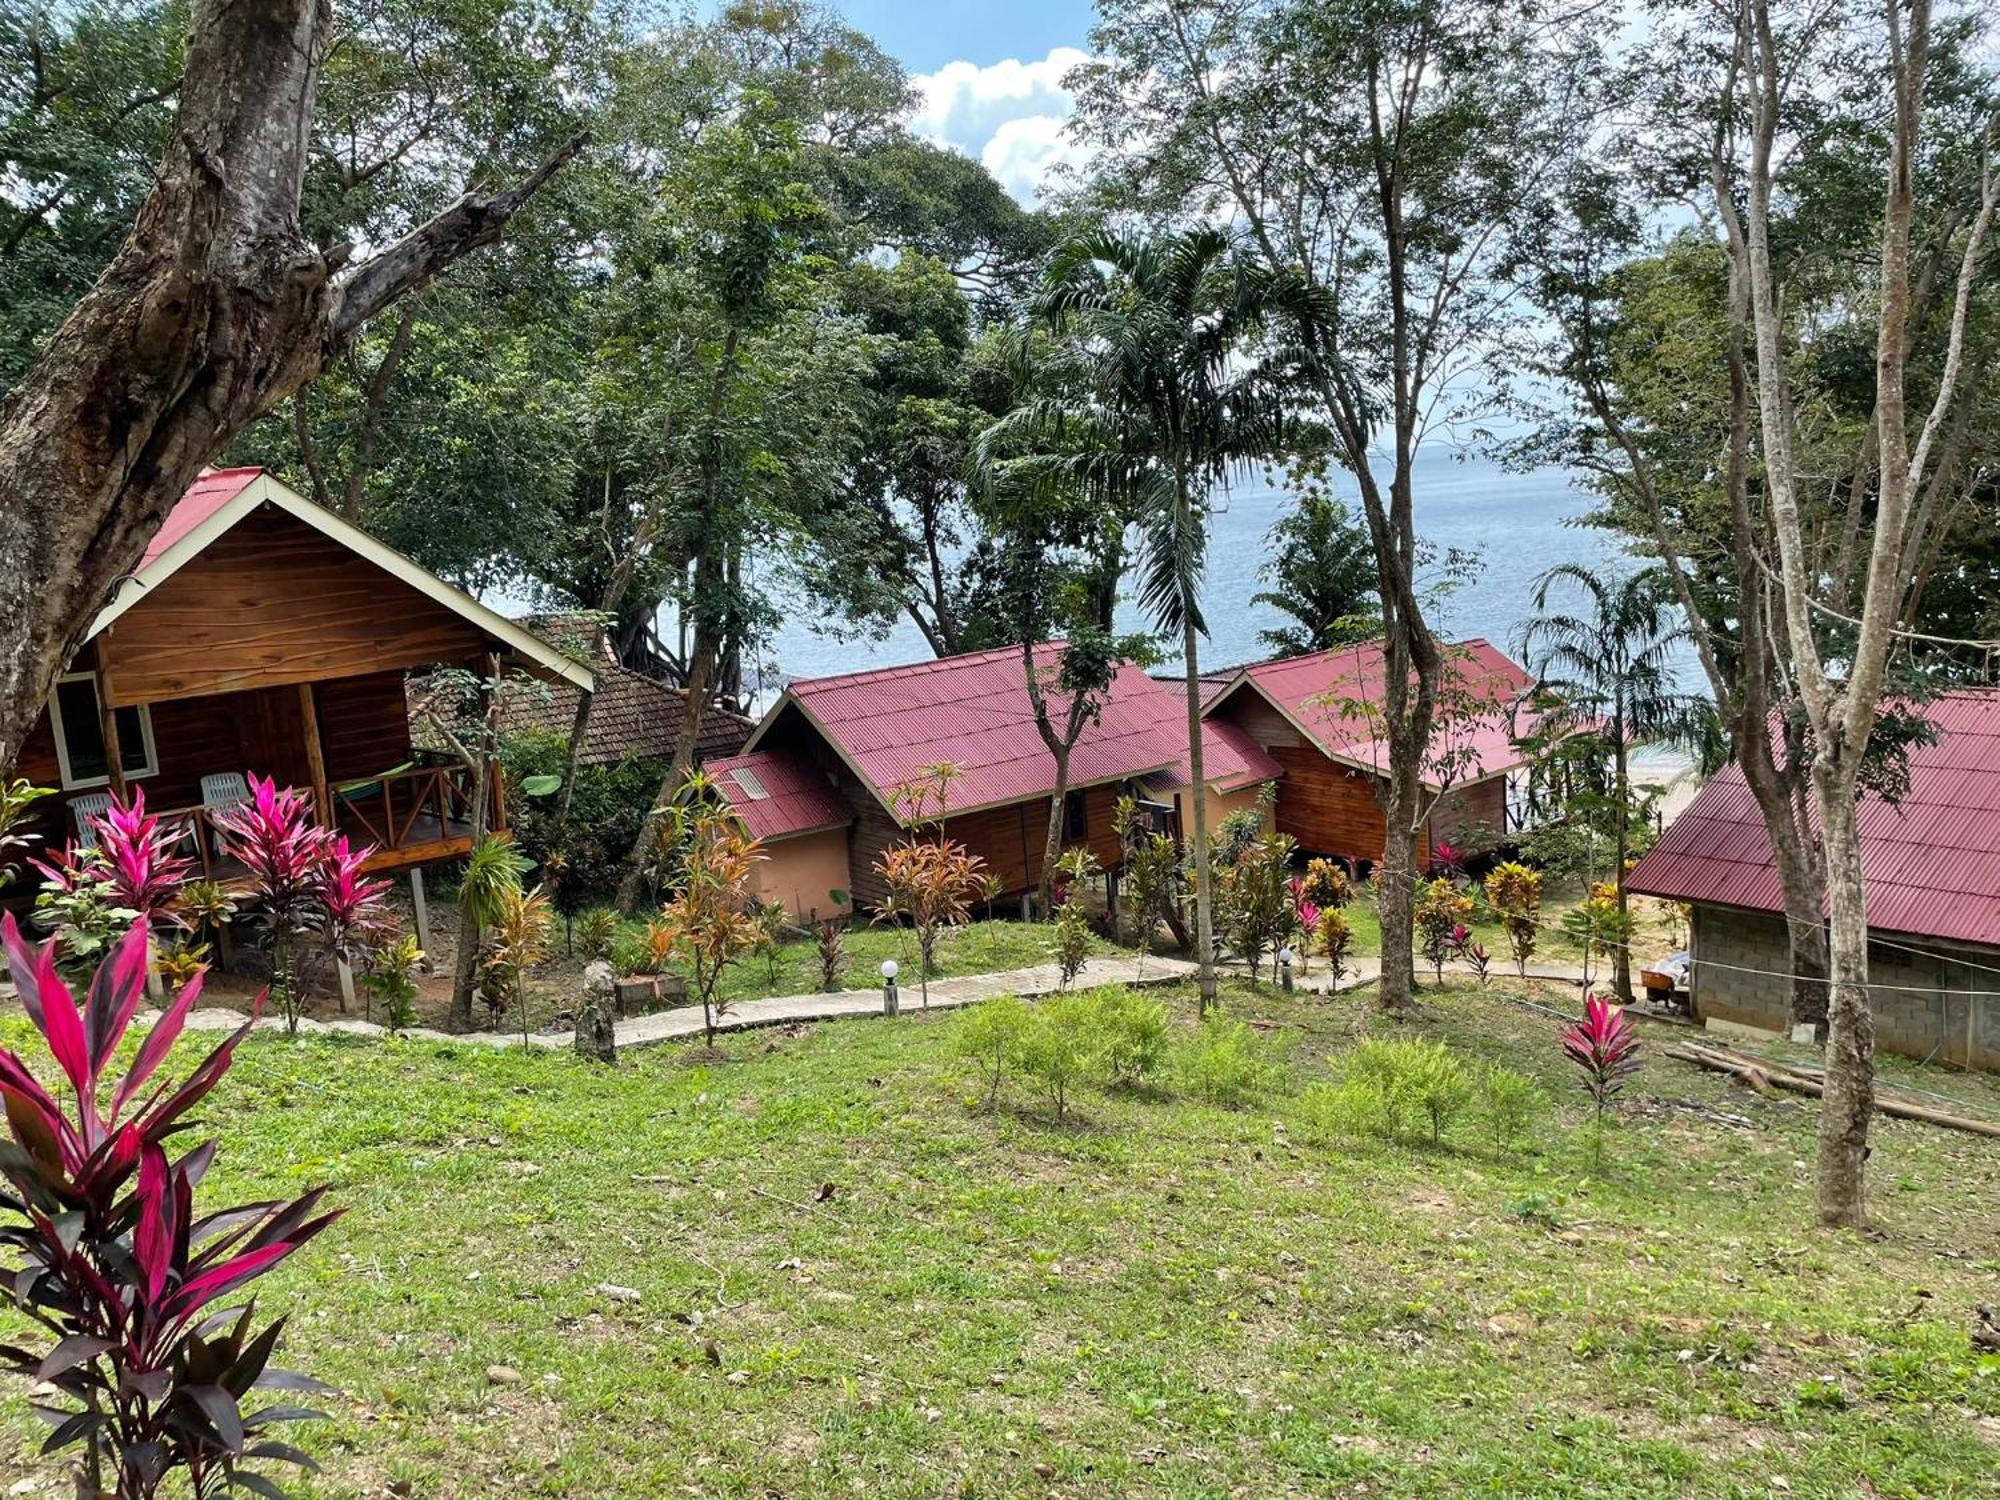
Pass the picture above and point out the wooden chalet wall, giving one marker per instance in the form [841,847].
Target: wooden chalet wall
[1467,811]
[270,602]
[1009,838]
[1331,807]
[1328,807]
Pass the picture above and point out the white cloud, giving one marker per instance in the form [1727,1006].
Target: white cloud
[1009,114]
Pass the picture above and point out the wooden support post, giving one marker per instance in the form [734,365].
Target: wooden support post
[420,909]
[107,718]
[315,755]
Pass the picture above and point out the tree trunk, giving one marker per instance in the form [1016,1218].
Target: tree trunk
[700,670]
[1204,900]
[1395,903]
[214,310]
[579,728]
[1849,1100]
[1621,956]
[1052,845]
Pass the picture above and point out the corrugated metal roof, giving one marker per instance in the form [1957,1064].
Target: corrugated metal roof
[1931,862]
[1334,695]
[974,712]
[214,489]
[1231,758]
[778,795]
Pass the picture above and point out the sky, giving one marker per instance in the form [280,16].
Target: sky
[990,74]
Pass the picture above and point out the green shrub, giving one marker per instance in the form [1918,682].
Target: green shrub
[1072,926]
[1348,1110]
[1416,1085]
[1132,1033]
[1509,1103]
[630,953]
[1225,1062]
[991,1034]
[1057,1051]
[596,930]
[607,807]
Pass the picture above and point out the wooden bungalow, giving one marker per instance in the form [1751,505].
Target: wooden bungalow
[262,634]
[866,736]
[1316,717]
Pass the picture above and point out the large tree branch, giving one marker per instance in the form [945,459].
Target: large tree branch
[418,256]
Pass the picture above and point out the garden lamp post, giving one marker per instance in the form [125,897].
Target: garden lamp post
[1285,970]
[890,1004]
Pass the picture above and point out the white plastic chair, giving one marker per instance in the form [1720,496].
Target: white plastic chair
[224,789]
[82,808]
[219,790]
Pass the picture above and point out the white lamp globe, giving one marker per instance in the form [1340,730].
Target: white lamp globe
[888,968]
[1284,955]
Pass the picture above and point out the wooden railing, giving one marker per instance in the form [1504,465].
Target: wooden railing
[422,805]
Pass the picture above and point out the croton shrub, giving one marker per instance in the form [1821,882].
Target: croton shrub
[153,1363]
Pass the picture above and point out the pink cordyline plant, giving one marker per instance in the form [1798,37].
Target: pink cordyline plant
[1605,1046]
[146,872]
[111,1259]
[273,835]
[350,904]
[348,899]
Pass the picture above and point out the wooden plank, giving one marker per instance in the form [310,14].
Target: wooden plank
[427,853]
[315,754]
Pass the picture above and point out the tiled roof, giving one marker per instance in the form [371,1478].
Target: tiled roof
[633,715]
[974,712]
[1931,862]
[1331,697]
[777,795]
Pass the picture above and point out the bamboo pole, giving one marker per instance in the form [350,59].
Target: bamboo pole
[1758,1074]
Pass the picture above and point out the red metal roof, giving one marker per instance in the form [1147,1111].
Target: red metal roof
[795,798]
[974,712]
[207,495]
[1231,757]
[1480,742]
[1932,862]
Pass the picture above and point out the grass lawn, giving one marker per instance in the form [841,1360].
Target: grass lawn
[1162,1298]
[1655,932]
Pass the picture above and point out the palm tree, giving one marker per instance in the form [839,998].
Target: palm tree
[1322,576]
[1155,369]
[1610,672]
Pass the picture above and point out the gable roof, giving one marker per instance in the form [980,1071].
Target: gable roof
[1481,745]
[778,796]
[630,713]
[1931,863]
[974,711]
[220,498]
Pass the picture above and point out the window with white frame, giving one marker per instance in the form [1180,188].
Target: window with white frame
[77,717]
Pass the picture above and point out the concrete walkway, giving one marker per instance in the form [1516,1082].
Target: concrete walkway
[1362,972]
[684,1022]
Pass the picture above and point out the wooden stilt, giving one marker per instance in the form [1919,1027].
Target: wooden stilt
[420,908]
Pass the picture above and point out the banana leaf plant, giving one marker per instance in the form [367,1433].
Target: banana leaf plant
[156,1366]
